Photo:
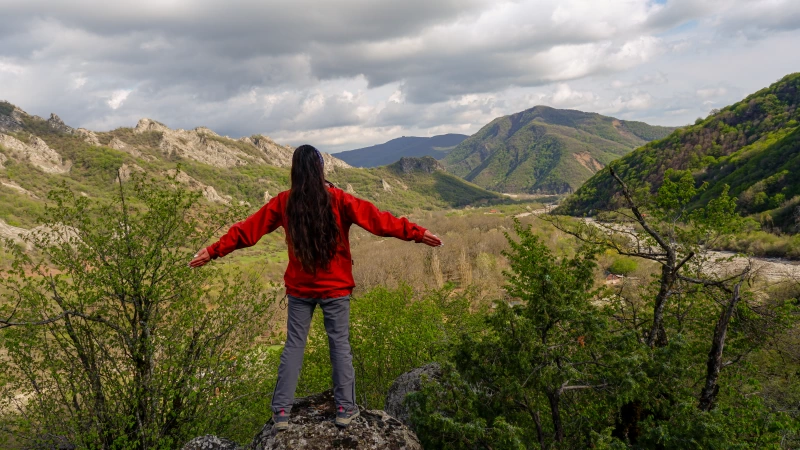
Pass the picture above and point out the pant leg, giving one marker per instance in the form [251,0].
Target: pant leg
[300,312]
[337,325]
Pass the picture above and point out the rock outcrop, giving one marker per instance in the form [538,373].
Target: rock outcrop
[3,159]
[7,231]
[19,189]
[311,427]
[271,152]
[209,192]
[405,384]
[36,152]
[88,136]
[386,186]
[145,125]
[58,125]
[11,117]
[126,170]
[424,164]
[211,442]
[117,144]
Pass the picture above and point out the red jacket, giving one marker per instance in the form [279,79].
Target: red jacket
[337,280]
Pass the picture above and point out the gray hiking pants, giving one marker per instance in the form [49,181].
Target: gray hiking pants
[336,312]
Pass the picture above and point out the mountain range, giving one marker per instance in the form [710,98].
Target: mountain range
[753,146]
[37,155]
[546,150]
[382,154]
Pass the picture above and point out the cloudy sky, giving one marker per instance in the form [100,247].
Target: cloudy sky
[342,74]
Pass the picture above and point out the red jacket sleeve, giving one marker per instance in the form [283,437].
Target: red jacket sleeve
[380,223]
[247,232]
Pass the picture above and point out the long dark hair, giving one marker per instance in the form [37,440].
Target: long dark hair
[311,226]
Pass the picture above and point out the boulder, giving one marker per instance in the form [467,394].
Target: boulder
[405,384]
[311,427]
[58,125]
[211,442]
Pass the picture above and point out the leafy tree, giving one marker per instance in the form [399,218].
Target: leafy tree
[112,341]
[542,372]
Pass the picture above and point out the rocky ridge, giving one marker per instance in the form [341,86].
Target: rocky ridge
[37,152]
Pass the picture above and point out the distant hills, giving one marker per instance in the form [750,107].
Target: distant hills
[546,150]
[753,146]
[37,155]
[407,146]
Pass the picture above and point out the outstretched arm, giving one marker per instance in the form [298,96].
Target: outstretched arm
[382,223]
[243,234]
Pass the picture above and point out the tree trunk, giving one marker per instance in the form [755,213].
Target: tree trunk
[658,335]
[555,399]
[708,395]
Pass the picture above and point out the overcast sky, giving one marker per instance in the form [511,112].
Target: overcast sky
[342,74]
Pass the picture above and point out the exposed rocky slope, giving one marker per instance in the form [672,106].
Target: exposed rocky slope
[38,155]
[406,146]
[753,146]
[546,150]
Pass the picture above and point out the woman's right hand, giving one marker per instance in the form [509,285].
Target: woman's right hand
[200,259]
[431,239]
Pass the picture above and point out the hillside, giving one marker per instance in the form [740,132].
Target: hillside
[753,146]
[406,146]
[37,155]
[546,150]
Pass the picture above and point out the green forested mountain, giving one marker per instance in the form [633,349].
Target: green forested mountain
[546,150]
[406,146]
[753,146]
[37,155]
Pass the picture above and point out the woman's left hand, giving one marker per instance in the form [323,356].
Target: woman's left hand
[200,259]
[431,239]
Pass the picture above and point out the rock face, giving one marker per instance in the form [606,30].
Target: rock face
[57,124]
[425,164]
[311,427]
[88,136]
[36,152]
[208,191]
[10,117]
[405,384]
[210,442]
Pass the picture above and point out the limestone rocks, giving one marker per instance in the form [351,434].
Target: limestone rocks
[126,170]
[58,125]
[211,442]
[88,136]
[386,186]
[405,384]
[198,144]
[311,427]
[12,120]
[36,152]
[117,144]
[144,125]
[271,152]
[208,191]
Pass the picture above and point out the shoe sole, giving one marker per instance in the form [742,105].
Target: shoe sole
[281,426]
[340,422]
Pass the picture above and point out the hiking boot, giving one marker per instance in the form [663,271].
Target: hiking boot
[281,420]
[343,418]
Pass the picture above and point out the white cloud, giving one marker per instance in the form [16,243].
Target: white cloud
[118,97]
[358,73]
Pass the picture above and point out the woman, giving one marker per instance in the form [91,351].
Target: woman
[316,217]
